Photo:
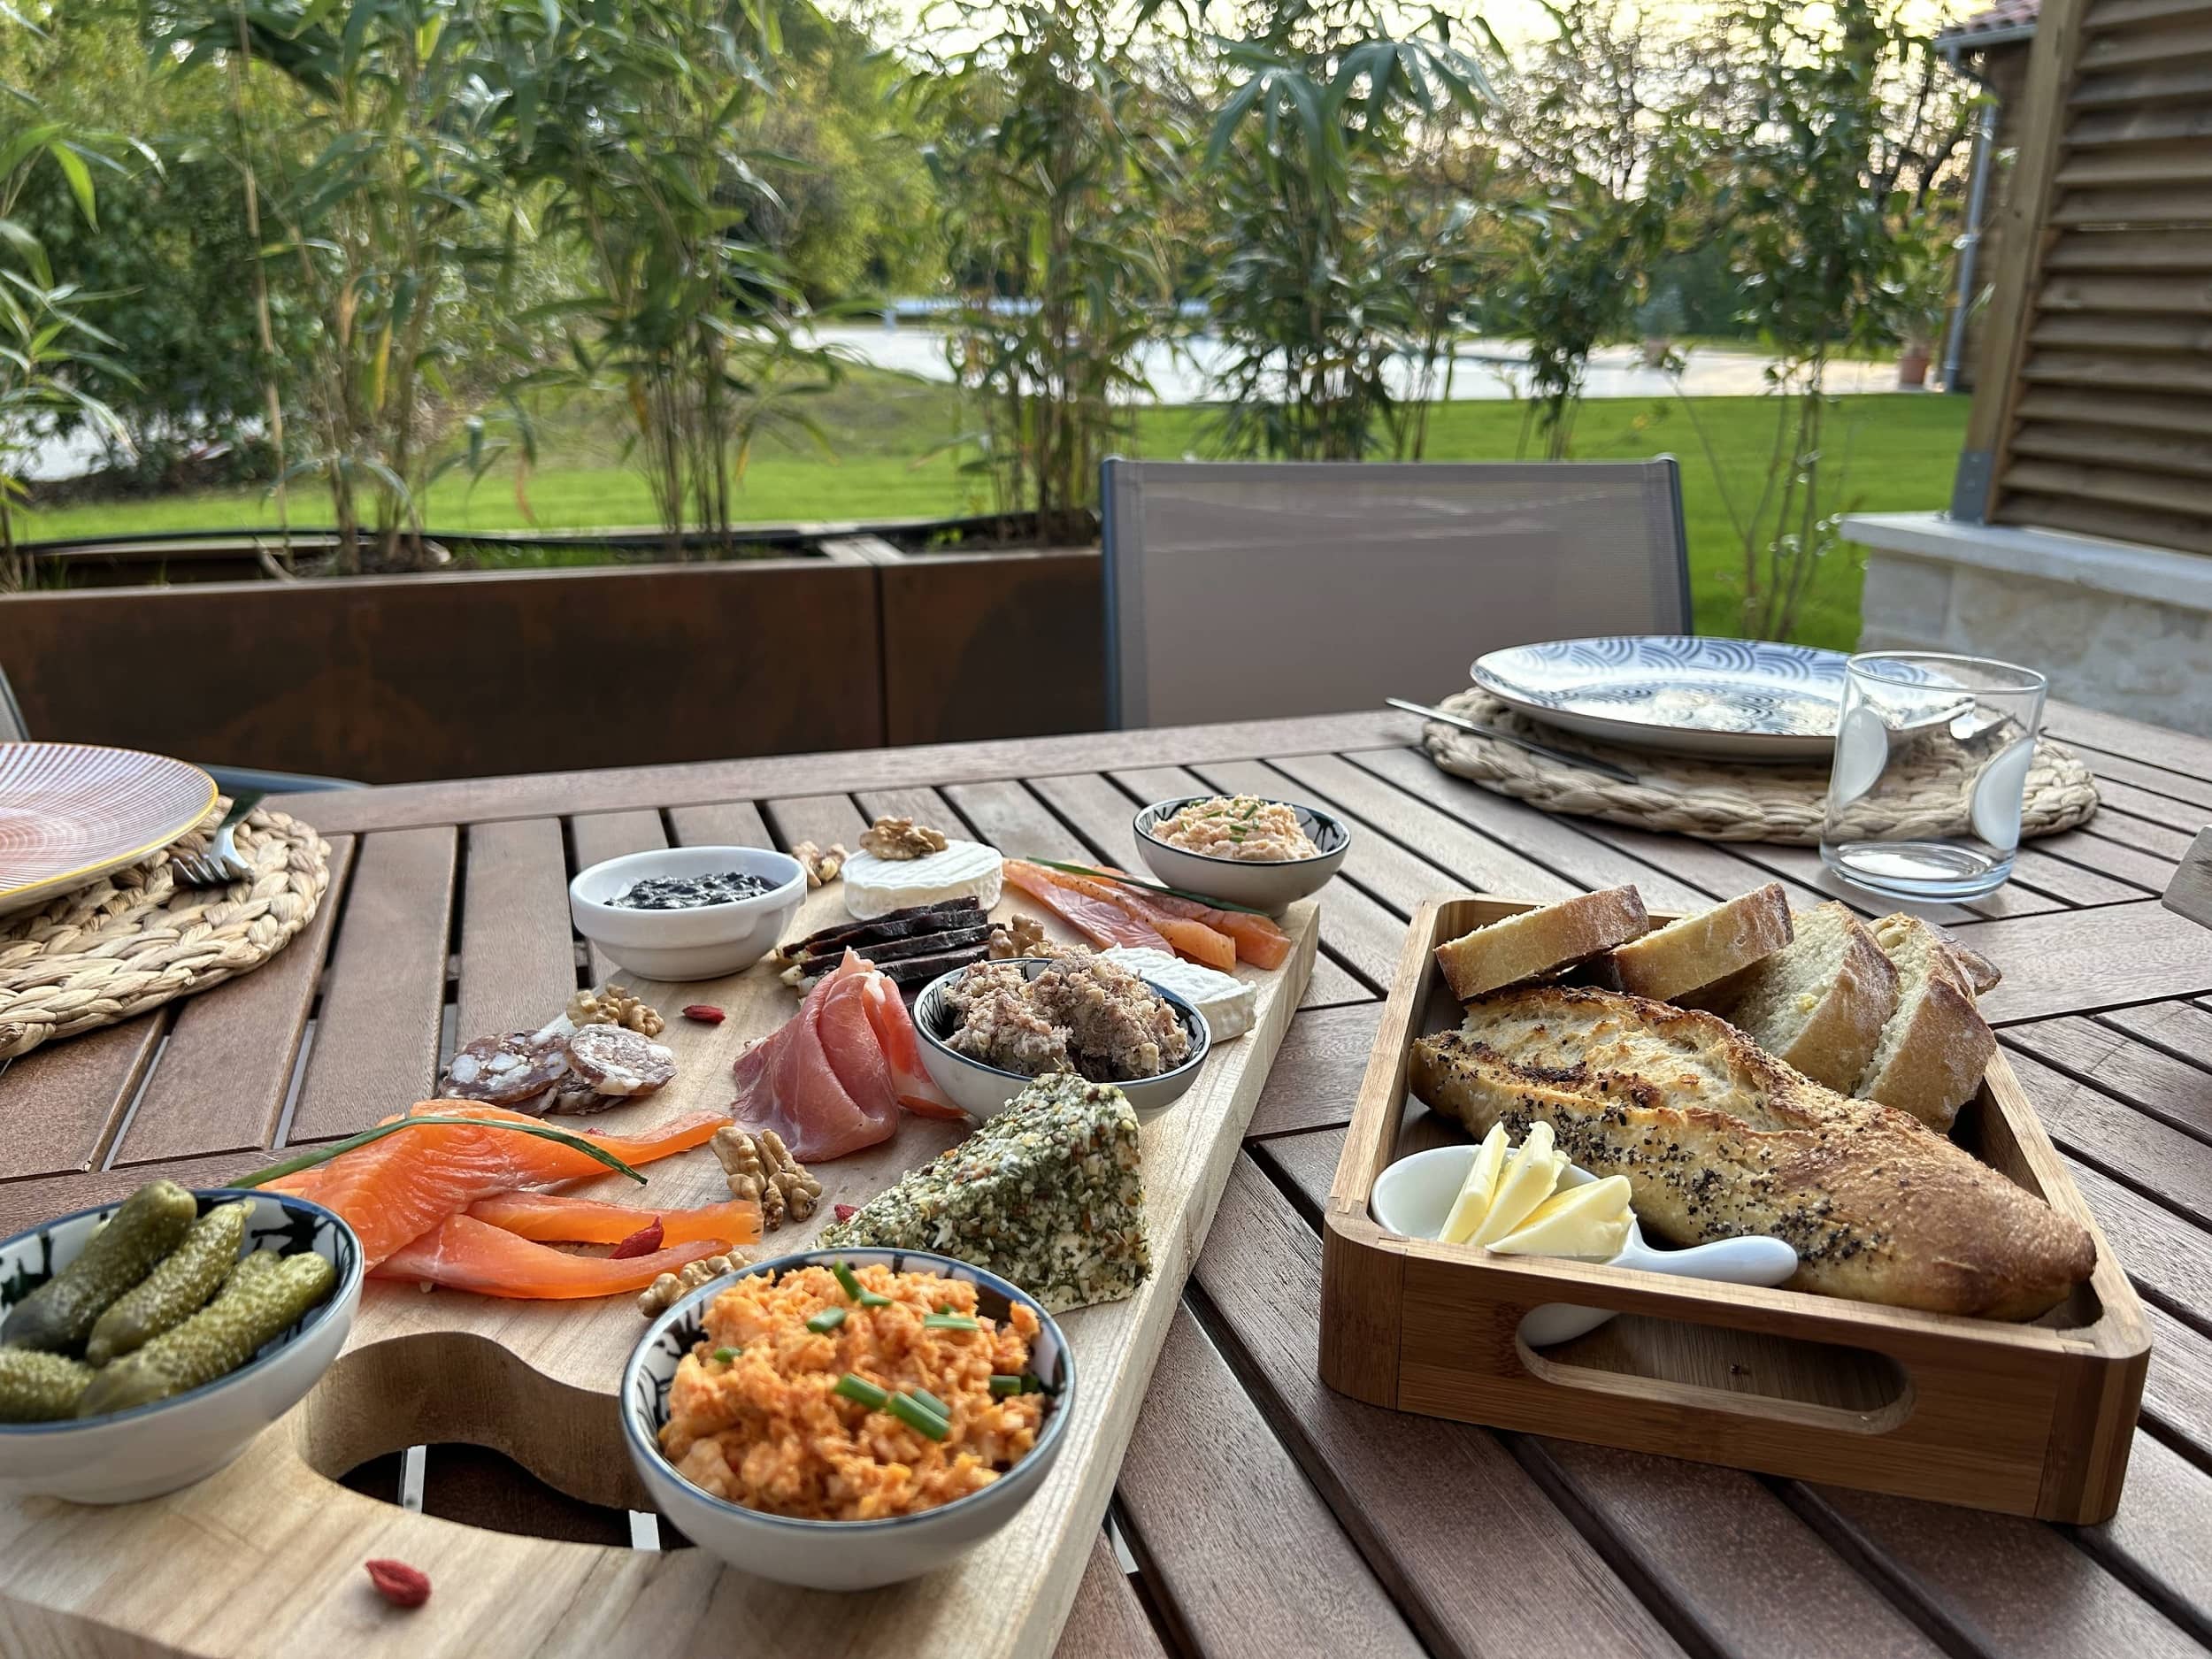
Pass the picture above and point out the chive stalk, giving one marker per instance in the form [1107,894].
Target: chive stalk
[859,1388]
[1003,1383]
[949,1321]
[933,1402]
[850,1283]
[826,1321]
[322,1155]
[1145,887]
[920,1417]
[725,1354]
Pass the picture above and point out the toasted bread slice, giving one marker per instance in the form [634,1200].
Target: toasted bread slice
[1819,1004]
[1678,958]
[1542,941]
[1937,1045]
[1718,1139]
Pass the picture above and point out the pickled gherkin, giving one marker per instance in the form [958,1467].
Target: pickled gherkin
[37,1388]
[58,1316]
[265,1292]
[176,1289]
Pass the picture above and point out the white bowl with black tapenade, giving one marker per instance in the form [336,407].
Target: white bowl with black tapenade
[1242,849]
[991,1029]
[687,912]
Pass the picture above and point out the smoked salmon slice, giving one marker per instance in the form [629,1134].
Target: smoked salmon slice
[1259,940]
[1097,920]
[1195,939]
[559,1218]
[462,1252]
[397,1188]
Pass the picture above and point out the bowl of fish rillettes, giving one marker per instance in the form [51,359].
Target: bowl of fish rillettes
[984,1091]
[143,1450]
[841,1553]
[689,941]
[1272,885]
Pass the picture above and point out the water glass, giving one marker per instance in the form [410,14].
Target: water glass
[1930,769]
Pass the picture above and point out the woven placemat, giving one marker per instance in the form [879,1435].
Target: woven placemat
[133,940]
[1719,802]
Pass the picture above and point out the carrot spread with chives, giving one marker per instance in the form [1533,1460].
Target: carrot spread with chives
[838,1421]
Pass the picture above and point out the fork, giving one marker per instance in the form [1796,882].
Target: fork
[221,864]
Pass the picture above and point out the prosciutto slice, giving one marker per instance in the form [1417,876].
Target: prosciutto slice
[788,1081]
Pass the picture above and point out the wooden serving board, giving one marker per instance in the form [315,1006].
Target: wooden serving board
[2031,1419]
[265,1557]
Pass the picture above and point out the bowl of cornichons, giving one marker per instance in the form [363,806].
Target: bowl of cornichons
[144,1342]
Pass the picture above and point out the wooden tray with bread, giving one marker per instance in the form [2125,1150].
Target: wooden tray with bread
[1952,1326]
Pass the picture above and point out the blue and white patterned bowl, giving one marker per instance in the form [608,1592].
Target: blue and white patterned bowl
[155,1448]
[1272,885]
[984,1091]
[838,1554]
[1747,699]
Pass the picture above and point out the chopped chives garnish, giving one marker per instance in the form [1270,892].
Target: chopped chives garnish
[933,1402]
[859,1388]
[823,1322]
[850,1283]
[949,1321]
[919,1417]
[725,1354]
[1002,1384]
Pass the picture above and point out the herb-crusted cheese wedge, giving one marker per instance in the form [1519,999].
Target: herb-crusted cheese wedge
[1047,1193]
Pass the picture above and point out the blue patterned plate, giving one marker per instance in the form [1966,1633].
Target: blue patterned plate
[1744,699]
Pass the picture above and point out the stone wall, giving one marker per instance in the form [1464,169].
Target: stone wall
[2115,627]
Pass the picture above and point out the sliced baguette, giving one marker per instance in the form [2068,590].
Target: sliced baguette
[1981,973]
[1678,958]
[1819,1004]
[1936,1046]
[1517,948]
[1718,1139]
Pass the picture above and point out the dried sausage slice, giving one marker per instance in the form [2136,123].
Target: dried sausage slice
[614,1060]
[506,1070]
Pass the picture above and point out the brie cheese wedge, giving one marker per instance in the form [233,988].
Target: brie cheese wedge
[965,870]
[1229,1004]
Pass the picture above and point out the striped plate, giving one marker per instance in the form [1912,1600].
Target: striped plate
[70,812]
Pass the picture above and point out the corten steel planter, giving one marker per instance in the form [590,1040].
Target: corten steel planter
[850,643]
[393,678]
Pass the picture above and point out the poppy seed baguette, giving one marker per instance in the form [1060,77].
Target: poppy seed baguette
[1718,1139]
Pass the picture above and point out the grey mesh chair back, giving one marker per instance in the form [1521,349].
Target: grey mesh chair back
[1244,590]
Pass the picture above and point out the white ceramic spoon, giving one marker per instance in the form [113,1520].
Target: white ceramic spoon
[1413,1196]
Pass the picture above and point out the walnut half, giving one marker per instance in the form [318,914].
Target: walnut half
[901,839]
[662,1294]
[821,868]
[761,1167]
[615,1005]
[1018,936]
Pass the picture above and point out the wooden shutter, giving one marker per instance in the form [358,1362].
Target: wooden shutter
[2093,411]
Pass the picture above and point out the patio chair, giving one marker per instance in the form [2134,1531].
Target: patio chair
[229,779]
[1244,590]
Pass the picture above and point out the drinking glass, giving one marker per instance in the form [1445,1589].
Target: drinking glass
[1931,765]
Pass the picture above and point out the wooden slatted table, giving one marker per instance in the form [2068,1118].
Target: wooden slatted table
[1258,1513]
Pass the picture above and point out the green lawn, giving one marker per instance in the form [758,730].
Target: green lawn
[890,461]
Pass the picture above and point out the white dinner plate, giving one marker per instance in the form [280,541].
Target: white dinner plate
[71,812]
[1744,699]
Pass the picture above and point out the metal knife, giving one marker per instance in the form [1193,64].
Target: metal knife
[1566,758]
